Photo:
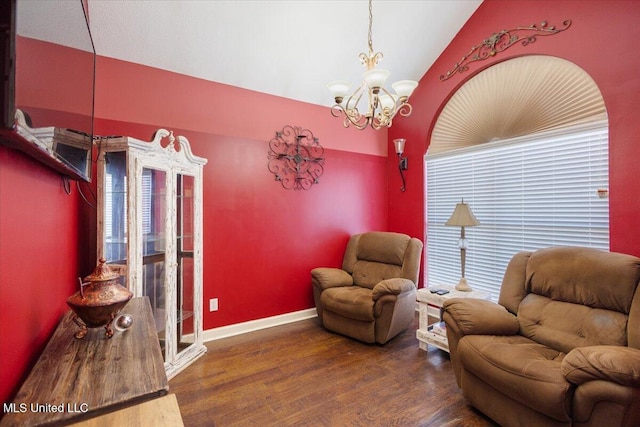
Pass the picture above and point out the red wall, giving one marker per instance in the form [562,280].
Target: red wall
[602,40]
[41,239]
[39,66]
[43,230]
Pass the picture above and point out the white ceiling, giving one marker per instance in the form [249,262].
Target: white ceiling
[288,48]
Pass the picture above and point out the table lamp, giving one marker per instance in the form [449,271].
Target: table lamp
[462,217]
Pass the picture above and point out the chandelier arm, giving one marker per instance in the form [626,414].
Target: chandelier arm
[351,110]
[361,126]
[357,95]
[380,122]
[337,110]
[386,112]
[385,91]
[373,103]
[351,117]
[405,109]
[359,122]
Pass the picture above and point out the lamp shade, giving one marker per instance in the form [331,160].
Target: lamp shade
[376,77]
[404,88]
[399,143]
[462,216]
[339,88]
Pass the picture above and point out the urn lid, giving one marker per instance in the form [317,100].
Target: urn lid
[102,273]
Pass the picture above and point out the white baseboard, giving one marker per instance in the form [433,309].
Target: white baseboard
[256,325]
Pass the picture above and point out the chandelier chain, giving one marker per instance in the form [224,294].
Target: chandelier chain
[370,27]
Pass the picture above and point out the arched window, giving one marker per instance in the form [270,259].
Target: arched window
[525,143]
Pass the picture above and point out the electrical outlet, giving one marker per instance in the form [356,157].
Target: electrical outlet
[213,304]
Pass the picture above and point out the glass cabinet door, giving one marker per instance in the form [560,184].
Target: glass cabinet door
[114,226]
[153,214]
[185,249]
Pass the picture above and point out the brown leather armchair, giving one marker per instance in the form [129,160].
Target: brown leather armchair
[373,297]
[561,347]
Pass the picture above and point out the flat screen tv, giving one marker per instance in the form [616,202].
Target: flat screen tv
[48,59]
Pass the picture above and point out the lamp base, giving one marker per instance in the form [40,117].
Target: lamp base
[463,286]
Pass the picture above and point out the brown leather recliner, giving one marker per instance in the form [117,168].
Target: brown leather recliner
[561,347]
[373,297]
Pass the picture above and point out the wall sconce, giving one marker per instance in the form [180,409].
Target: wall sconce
[403,162]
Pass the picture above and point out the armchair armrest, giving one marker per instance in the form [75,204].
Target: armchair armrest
[469,316]
[480,317]
[603,362]
[394,286]
[326,277]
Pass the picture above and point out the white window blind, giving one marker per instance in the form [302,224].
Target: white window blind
[147,196]
[108,207]
[116,206]
[528,193]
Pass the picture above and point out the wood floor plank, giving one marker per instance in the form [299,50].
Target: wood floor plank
[303,375]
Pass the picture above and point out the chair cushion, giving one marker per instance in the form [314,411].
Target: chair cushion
[565,326]
[584,276]
[383,247]
[375,256]
[352,302]
[519,368]
[369,273]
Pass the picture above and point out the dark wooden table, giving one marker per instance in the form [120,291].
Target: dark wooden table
[76,379]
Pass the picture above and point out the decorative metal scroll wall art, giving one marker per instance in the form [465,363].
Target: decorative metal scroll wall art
[296,158]
[499,42]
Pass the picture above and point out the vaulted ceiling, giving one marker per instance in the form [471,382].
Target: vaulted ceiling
[288,48]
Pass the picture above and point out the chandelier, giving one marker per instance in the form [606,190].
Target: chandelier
[382,105]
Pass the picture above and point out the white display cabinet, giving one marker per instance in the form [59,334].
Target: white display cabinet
[150,231]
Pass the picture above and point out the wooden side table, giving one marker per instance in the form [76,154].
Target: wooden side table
[430,304]
[76,379]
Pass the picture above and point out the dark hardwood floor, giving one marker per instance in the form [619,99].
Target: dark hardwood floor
[302,375]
